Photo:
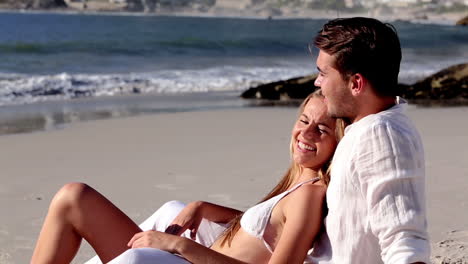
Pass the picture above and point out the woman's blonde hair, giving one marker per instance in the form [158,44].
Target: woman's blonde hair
[292,173]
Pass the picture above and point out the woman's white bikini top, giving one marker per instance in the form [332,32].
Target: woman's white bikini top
[255,219]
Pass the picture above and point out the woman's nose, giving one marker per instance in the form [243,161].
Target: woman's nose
[309,132]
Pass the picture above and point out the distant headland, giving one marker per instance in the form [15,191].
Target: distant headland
[425,11]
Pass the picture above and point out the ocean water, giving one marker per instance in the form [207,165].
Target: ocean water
[50,62]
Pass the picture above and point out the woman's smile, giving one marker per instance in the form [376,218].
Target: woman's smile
[303,147]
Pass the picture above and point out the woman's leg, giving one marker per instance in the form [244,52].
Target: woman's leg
[159,221]
[78,211]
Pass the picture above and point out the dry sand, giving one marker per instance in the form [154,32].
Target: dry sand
[231,157]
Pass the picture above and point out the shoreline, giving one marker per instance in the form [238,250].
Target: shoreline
[52,115]
[46,116]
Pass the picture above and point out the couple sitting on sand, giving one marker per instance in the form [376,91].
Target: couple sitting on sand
[370,197]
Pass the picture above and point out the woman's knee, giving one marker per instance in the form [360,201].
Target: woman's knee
[70,195]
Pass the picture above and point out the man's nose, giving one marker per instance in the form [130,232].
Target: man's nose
[318,81]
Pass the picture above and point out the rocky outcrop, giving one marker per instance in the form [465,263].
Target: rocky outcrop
[296,88]
[448,86]
[463,21]
[41,4]
[36,4]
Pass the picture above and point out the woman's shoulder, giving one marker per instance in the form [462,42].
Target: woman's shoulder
[309,194]
[314,189]
[307,198]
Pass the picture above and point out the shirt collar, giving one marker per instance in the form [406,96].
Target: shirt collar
[400,106]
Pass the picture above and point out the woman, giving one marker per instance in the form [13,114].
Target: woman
[279,229]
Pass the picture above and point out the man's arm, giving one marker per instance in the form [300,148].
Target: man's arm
[392,180]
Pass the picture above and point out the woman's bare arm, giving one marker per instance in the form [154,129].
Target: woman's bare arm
[189,249]
[303,211]
[217,213]
[191,216]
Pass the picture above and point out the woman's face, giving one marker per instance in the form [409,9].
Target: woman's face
[314,140]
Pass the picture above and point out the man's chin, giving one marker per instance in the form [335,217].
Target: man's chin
[334,114]
[331,112]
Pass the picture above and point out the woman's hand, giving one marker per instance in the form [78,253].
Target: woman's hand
[189,218]
[189,249]
[154,239]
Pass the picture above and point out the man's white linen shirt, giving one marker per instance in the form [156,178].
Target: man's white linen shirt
[376,196]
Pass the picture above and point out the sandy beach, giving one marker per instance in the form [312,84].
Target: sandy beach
[232,157]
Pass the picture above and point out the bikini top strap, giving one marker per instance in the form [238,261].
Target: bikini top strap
[313,180]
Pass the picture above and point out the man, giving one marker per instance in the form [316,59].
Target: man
[376,196]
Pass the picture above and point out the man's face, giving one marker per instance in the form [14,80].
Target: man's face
[337,91]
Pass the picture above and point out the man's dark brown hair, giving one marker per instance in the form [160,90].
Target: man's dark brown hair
[366,46]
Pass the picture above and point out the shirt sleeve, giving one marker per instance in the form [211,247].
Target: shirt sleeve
[392,181]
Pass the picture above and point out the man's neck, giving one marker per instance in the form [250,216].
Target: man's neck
[373,106]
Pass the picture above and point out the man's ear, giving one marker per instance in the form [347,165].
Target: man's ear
[357,83]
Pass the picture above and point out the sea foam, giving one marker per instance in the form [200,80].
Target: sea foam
[23,89]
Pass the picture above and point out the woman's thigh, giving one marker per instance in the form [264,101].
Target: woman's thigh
[79,210]
[159,221]
[148,256]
